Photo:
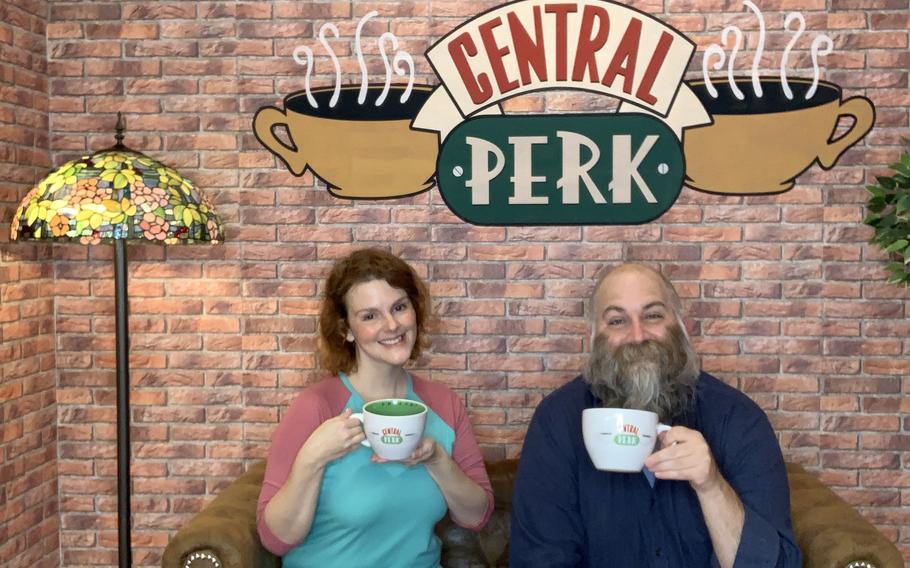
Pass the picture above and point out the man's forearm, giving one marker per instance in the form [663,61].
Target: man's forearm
[724,516]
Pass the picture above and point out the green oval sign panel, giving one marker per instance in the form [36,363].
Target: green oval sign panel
[615,169]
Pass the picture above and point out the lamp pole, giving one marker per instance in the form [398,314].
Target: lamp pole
[112,178]
[123,404]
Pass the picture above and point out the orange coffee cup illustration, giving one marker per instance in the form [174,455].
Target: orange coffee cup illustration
[359,150]
[762,144]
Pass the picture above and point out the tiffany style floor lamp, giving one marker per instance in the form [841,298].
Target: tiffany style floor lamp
[113,196]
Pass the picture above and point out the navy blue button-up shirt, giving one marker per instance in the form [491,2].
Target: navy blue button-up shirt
[567,513]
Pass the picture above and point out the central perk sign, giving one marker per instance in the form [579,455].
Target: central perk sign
[619,168]
[592,45]
[726,135]
[564,169]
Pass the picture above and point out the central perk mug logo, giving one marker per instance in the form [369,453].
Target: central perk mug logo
[391,436]
[628,436]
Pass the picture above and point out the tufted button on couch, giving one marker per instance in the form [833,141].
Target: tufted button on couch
[830,533]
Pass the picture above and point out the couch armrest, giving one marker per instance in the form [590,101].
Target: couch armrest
[830,532]
[224,533]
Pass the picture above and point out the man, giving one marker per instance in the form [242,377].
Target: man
[715,491]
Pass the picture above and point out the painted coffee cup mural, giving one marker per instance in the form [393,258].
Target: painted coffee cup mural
[356,139]
[766,131]
[765,143]
[727,135]
[359,151]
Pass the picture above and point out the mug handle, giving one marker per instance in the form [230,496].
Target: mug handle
[663,428]
[863,113]
[265,120]
[359,416]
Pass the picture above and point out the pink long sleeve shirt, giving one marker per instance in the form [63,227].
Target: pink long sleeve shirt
[370,514]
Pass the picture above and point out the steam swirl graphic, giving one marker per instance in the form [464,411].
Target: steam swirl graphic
[821,45]
[791,17]
[331,27]
[303,56]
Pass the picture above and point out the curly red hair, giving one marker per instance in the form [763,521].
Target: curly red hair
[335,353]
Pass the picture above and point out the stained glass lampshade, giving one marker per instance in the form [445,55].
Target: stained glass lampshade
[113,196]
[116,194]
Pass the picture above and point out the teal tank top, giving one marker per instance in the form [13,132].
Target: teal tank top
[376,515]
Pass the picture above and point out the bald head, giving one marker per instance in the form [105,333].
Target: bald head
[631,273]
[633,302]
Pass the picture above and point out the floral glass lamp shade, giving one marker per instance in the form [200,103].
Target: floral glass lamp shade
[116,194]
[113,196]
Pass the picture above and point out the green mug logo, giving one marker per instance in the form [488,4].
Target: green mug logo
[391,436]
[561,170]
[628,437]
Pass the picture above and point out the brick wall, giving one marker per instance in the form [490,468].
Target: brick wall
[29,522]
[787,300]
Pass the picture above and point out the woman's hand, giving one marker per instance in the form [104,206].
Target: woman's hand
[427,452]
[333,439]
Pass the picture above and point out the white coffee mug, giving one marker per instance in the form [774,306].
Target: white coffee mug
[620,439]
[393,426]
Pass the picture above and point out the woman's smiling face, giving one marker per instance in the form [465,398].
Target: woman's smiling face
[382,323]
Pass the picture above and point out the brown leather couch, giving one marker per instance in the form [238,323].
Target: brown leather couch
[830,532]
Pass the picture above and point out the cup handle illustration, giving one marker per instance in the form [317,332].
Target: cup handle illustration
[359,416]
[863,113]
[265,120]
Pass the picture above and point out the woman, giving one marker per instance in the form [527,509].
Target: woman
[326,500]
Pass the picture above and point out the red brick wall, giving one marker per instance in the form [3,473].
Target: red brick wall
[788,301]
[29,521]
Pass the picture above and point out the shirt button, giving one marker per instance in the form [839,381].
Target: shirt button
[657,553]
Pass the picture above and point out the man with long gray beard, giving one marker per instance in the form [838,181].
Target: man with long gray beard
[714,493]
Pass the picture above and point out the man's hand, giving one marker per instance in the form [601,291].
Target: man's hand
[685,456]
